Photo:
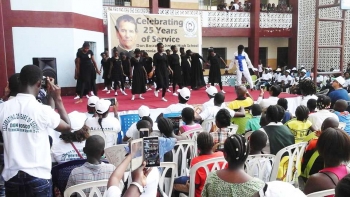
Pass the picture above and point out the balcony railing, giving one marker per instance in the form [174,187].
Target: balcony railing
[219,19]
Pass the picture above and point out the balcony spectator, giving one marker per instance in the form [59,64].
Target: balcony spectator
[234,5]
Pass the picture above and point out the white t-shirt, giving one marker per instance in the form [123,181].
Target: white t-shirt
[175,108]
[210,103]
[24,126]
[286,79]
[113,191]
[318,118]
[266,76]
[277,77]
[109,124]
[265,103]
[133,133]
[305,99]
[210,112]
[62,152]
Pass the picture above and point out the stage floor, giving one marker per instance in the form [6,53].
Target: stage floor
[126,104]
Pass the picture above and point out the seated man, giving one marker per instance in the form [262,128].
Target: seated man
[243,99]
[132,132]
[184,97]
[274,92]
[211,91]
[93,169]
[277,76]
[265,79]
[339,92]
[286,80]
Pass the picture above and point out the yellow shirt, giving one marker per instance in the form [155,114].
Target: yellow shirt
[299,129]
[236,104]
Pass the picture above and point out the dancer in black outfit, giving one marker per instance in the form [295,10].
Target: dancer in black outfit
[139,75]
[214,70]
[148,64]
[162,68]
[105,66]
[186,67]
[117,72]
[126,67]
[174,62]
[85,66]
[197,78]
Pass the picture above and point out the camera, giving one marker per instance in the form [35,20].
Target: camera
[44,82]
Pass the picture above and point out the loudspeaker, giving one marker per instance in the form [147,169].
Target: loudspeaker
[47,65]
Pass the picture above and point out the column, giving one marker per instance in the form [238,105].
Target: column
[293,41]
[153,6]
[253,41]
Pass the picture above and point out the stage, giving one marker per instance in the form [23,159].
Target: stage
[126,104]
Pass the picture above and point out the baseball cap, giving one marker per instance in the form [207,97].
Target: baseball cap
[185,93]
[278,69]
[294,68]
[280,189]
[77,120]
[211,90]
[144,111]
[102,106]
[340,80]
[288,71]
[92,101]
[303,71]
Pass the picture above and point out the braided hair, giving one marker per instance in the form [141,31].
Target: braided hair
[205,142]
[274,113]
[323,102]
[236,149]
[165,126]
[302,113]
[307,87]
[223,118]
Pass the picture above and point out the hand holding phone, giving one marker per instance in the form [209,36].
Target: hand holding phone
[113,101]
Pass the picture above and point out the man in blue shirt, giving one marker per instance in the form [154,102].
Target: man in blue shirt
[339,92]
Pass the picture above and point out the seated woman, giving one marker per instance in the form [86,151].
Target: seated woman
[284,104]
[223,120]
[187,115]
[333,145]
[233,181]
[308,90]
[323,105]
[300,126]
[70,145]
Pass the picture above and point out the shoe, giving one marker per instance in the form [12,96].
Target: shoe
[133,97]
[174,94]
[116,93]
[149,89]
[123,92]
[223,91]
[77,97]
[156,93]
[87,96]
[141,97]
[164,99]
[168,90]
[108,92]
[104,90]
[92,93]
[130,88]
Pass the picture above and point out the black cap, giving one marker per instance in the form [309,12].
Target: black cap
[137,51]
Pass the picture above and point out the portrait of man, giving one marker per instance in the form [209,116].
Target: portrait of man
[126,29]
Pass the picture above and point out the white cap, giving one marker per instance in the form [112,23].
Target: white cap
[92,101]
[185,93]
[340,80]
[255,69]
[144,111]
[302,66]
[278,69]
[294,68]
[288,71]
[77,120]
[102,106]
[212,90]
[281,189]
[303,71]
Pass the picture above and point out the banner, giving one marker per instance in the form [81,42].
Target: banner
[144,31]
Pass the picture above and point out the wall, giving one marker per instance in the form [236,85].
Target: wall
[184,4]
[139,3]
[61,43]
[272,44]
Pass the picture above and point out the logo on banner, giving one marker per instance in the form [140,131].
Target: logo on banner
[190,27]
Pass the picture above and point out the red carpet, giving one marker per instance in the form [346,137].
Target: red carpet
[125,102]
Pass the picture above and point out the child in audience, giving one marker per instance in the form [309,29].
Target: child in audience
[253,124]
[188,117]
[287,115]
[340,107]
[343,187]
[223,120]
[263,120]
[300,126]
[93,169]
[323,105]
[311,105]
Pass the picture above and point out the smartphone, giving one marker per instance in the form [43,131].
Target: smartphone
[144,133]
[151,151]
[136,147]
[262,86]
[44,82]
[113,100]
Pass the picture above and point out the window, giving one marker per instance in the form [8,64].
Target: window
[92,47]
[220,51]
[117,2]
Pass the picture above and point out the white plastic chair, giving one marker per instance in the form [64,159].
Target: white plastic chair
[260,166]
[112,137]
[192,134]
[322,193]
[233,129]
[181,150]
[207,124]
[295,153]
[342,125]
[165,183]
[93,186]
[217,164]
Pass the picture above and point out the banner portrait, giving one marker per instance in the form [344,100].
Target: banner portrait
[129,31]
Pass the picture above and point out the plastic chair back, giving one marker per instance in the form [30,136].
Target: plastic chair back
[295,153]
[172,115]
[260,166]
[116,154]
[126,121]
[181,150]
[60,173]
[241,122]
[322,193]
[93,186]
[166,184]
[207,124]
[192,134]
[209,165]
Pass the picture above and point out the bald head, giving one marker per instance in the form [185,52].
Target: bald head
[340,105]
[329,123]
[94,146]
[241,91]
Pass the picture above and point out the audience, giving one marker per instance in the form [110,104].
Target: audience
[274,92]
[253,124]
[340,107]
[233,181]
[184,97]
[343,187]
[308,91]
[187,115]
[12,88]
[132,132]
[243,99]
[70,145]
[286,80]
[287,115]
[91,106]
[222,121]
[103,122]
[339,92]
[311,105]
[211,91]
[93,169]
[323,105]
[333,145]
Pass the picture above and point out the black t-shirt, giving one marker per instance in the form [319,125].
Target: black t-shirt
[85,58]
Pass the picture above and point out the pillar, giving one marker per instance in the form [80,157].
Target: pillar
[293,41]
[153,6]
[253,41]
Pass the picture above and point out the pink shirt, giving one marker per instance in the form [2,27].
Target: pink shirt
[191,127]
